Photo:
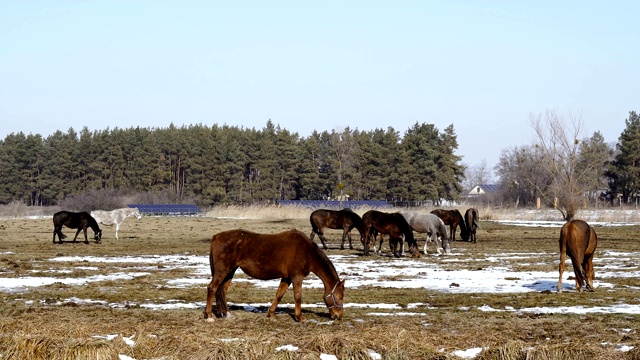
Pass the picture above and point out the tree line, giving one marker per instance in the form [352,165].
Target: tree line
[566,171]
[216,164]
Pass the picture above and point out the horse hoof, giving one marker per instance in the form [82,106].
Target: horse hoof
[209,319]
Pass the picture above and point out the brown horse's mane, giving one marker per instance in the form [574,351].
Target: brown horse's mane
[325,261]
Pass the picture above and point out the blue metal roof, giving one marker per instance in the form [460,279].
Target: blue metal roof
[174,209]
[335,204]
[489,187]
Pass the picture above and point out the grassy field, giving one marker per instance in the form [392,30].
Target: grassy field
[107,318]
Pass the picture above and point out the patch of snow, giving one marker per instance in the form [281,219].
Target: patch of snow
[287,348]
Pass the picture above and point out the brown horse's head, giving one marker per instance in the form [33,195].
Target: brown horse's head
[334,300]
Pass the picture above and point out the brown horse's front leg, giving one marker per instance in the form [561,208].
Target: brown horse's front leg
[297,296]
[282,288]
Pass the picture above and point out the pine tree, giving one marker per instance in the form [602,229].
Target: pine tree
[625,170]
[422,145]
[451,173]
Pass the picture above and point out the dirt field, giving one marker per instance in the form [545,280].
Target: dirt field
[109,311]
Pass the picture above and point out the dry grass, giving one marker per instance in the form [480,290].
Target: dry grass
[43,320]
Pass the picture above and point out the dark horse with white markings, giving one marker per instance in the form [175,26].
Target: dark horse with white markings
[453,218]
[579,241]
[393,224]
[344,219]
[75,220]
[289,255]
[471,218]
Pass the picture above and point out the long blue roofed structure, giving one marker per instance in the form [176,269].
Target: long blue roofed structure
[167,209]
[335,204]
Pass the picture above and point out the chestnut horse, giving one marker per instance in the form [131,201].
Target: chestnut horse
[453,218]
[344,219]
[579,241]
[471,218]
[393,224]
[289,255]
[75,220]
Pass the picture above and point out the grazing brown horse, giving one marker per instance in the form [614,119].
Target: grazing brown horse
[289,255]
[344,219]
[453,218]
[393,224]
[579,241]
[75,220]
[471,218]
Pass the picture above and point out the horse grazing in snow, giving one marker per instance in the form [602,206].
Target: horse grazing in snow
[344,219]
[471,218]
[75,220]
[432,226]
[289,255]
[115,217]
[579,241]
[453,218]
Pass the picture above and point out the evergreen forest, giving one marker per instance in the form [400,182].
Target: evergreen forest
[211,165]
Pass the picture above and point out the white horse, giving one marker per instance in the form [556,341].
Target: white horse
[433,226]
[116,216]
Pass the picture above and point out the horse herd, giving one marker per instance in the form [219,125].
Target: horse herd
[399,226]
[291,255]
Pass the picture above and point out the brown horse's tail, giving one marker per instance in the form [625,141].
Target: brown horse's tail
[578,271]
[221,301]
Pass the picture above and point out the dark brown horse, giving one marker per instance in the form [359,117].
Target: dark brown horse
[471,218]
[289,255]
[453,218]
[344,219]
[393,224]
[579,241]
[75,220]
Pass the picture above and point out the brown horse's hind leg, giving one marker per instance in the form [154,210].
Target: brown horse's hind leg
[282,288]
[589,273]
[563,258]
[578,271]
[77,232]
[321,236]
[217,289]
[211,291]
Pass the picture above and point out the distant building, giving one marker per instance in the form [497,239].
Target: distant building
[483,189]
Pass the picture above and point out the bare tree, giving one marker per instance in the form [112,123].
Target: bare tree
[520,178]
[558,144]
[477,174]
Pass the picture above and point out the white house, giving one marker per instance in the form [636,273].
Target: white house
[483,189]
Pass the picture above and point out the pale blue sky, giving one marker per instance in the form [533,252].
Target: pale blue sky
[483,66]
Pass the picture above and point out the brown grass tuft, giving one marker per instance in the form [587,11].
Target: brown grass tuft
[45,348]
